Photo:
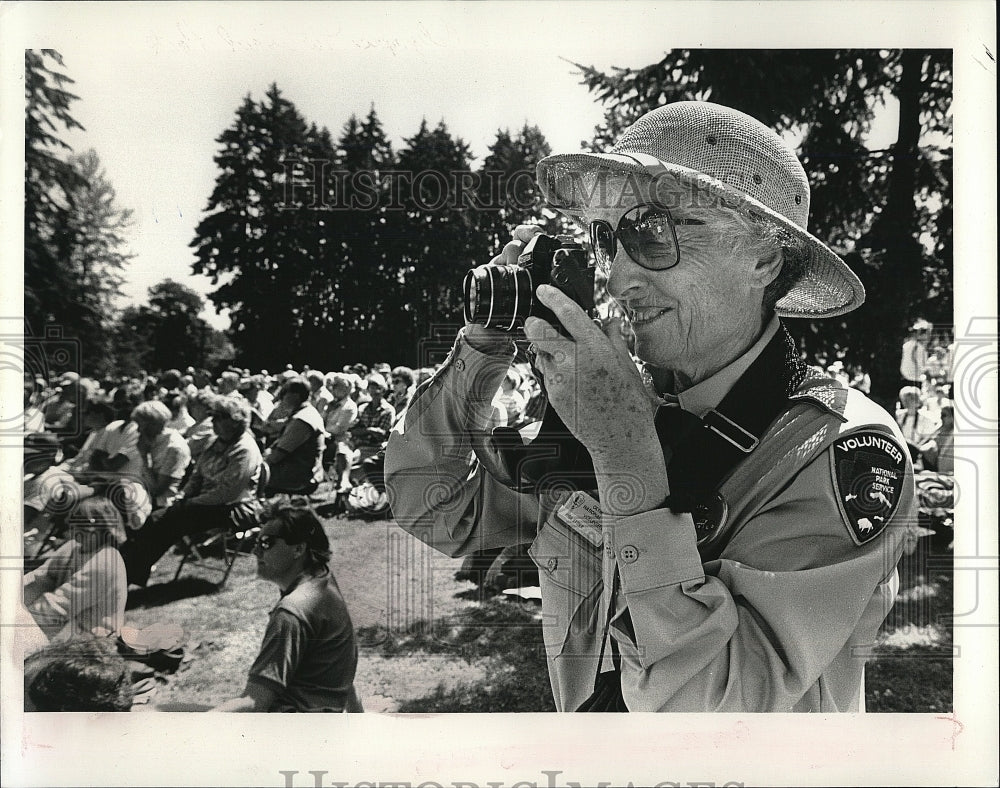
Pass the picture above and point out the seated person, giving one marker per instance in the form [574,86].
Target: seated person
[200,434]
[164,452]
[83,674]
[915,422]
[938,453]
[510,399]
[403,385]
[309,654]
[220,493]
[81,587]
[375,417]
[110,456]
[295,459]
[180,417]
[340,417]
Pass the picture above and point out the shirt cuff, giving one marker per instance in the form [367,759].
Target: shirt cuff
[654,549]
[478,374]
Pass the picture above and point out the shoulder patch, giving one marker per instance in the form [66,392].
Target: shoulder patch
[868,468]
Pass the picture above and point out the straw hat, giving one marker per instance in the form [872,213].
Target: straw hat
[689,152]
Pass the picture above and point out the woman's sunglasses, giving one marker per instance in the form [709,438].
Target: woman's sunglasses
[646,232]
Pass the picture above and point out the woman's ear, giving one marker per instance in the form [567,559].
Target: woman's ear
[768,267]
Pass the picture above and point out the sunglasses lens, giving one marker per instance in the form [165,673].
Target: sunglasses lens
[647,233]
[602,239]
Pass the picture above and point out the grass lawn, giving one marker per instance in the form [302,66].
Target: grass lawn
[430,644]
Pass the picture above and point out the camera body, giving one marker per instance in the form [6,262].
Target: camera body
[503,296]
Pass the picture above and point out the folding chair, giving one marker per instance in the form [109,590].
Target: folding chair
[234,540]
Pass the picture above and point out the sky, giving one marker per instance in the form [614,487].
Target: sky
[157,87]
[154,101]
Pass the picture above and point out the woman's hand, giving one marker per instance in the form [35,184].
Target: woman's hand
[597,391]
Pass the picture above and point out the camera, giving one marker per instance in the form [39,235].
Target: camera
[503,296]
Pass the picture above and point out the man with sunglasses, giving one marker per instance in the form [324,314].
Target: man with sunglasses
[309,654]
[732,544]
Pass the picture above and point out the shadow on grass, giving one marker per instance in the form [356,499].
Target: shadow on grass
[165,593]
[912,667]
[505,637]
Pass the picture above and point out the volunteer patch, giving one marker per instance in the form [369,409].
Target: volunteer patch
[869,469]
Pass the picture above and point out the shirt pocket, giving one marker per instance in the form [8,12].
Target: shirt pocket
[569,571]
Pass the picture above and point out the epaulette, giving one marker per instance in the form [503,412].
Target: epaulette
[828,393]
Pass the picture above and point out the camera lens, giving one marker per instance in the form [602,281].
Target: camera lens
[497,296]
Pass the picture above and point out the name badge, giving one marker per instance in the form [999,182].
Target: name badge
[583,514]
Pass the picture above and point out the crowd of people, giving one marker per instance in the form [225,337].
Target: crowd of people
[126,468]
[118,471]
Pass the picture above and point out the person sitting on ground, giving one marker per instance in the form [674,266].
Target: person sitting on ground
[81,587]
[200,434]
[34,418]
[295,459]
[82,674]
[164,451]
[340,417]
[220,493]
[375,417]
[309,654]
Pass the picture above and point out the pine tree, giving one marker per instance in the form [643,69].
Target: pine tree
[263,232]
[48,177]
[441,239]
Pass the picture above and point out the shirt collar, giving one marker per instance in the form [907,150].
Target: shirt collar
[706,395]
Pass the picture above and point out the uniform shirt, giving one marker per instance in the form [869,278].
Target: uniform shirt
[309,655]
[780,621]
[75,592]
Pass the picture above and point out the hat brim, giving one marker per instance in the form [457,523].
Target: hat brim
[827,287]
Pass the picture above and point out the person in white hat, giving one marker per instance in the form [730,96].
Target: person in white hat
[733,546]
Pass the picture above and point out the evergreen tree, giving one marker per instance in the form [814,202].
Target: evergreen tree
[362,290]
[263,232]
[48,285]
[440,242]
[508,193]
[95,259]
[888,211]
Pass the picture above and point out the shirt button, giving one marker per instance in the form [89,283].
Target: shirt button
[459,364]
[610,553]
[630,554]
[552,564]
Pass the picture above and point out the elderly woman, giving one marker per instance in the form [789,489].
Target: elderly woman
[295,459]
[340,417]
[81,587]
[220,493]
[164,452]
[722,529]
